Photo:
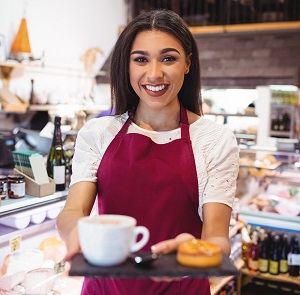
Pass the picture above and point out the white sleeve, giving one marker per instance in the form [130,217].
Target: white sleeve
[91,143]
[222,165]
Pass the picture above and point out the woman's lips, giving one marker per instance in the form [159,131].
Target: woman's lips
[156,90]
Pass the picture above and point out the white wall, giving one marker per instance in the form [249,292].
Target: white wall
[63,30]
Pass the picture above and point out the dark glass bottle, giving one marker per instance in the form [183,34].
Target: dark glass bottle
[271,242]
[284,250]
[294,249]
[274,258]
[56,162]
[263,261]
[254,253]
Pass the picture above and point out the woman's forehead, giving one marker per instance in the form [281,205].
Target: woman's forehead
[155,39]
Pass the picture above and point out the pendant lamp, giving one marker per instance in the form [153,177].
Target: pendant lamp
[20,48]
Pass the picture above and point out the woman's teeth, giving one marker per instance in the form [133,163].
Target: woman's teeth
[155,88]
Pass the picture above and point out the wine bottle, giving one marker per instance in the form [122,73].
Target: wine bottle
[284,249]
[271,242]
[274,258]
[254,253]
[263,261]
[56,162]
[293,253]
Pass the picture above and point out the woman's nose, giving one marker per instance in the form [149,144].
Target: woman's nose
[154,71]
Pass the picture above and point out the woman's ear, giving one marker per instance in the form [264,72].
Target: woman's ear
[188,64]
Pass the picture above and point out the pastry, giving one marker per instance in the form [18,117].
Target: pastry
[199,253]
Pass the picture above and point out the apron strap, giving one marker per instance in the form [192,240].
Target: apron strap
[126,125]
[184,123]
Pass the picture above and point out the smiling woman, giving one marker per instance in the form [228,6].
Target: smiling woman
[157,72]
[157,159]
[159,25]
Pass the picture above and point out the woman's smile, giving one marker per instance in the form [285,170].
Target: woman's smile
[156,90]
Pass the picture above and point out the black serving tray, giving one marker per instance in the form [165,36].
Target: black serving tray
[165,266]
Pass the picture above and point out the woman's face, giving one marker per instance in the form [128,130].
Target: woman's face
[156,68]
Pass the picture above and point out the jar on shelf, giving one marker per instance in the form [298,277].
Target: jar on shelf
[16,186]
[3,187]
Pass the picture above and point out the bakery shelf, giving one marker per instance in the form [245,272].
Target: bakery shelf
[279,278]
[12,206]
[33,229]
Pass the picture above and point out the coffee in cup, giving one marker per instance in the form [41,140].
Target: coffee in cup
[108,239]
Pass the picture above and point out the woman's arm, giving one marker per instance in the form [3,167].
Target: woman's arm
[216,221]
[79,203]
[215,229]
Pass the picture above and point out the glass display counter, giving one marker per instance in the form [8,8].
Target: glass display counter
[269,188]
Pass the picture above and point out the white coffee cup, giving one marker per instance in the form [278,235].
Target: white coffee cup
[108,239]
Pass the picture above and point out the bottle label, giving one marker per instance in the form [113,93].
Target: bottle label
[274,267]
[263,265]
[253,264]
[283,266]
[293,259]
[59,174]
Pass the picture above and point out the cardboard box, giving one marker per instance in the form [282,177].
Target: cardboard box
[35,189]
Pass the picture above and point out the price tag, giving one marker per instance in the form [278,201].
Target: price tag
[15,243]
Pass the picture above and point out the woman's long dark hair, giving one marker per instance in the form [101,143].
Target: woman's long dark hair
[122,94]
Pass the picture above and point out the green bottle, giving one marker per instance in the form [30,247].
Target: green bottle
[56,162]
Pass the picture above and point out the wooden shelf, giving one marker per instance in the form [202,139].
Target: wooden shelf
[272,26]
[266,276]
[89,108]
[218,283]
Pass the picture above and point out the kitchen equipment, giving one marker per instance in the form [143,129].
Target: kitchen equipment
[31,140]
[7,145]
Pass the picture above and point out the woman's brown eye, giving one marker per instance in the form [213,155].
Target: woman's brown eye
[169,58]
[140,59]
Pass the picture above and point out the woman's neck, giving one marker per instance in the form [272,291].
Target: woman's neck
[157,120]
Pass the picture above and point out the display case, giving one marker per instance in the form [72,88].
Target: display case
[29,217]
[283,121]
[269,188]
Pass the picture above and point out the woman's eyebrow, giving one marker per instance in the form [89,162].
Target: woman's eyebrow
[165,50]
[142,52]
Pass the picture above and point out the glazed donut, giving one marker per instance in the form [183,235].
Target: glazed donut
[199,253]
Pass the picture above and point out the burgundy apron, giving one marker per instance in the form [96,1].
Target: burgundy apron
[156,184]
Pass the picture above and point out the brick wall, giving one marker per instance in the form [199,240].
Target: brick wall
[249,59]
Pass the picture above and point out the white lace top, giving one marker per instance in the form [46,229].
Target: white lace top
[214,146]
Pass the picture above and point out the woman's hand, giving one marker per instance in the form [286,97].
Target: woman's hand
[168,246]
[72,243]
[171,245]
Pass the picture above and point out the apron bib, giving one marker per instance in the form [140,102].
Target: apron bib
[156,184]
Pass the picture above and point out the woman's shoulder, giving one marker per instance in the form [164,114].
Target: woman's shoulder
[205,125]
[208,133]
[102,123]
[101,128]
